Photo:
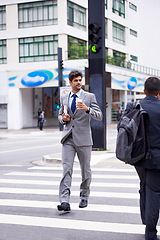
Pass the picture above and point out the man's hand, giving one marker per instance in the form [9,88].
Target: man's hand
[81,106]
[66,117]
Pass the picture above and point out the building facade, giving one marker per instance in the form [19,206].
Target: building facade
[30,34]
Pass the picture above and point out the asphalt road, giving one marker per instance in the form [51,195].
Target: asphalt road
[25,146]
[29,193]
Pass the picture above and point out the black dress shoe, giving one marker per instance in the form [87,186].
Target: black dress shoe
[64,207]
[83,203]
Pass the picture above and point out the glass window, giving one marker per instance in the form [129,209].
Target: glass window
[2,17]
[37,14]
[48,108]
[133,7]
[119,58]
[106,28]
[118,33]
[117,54]
[119,7]
[77,48]
[115,104]
[132,32]
[38,49]
[106,4]
[76,16]
[3,52]
[133,58]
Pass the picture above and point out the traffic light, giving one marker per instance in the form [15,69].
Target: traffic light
[94,37]
[61,64]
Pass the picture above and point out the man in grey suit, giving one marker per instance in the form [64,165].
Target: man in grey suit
[75,113]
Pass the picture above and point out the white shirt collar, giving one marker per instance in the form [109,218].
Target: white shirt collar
[78,93]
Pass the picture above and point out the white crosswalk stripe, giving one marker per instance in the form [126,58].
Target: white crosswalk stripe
[98,176]
[40,182]
[71,224]
[47,204]
[74,193]
[56,183]
[93,169]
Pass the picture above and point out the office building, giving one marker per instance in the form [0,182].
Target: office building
[32,31]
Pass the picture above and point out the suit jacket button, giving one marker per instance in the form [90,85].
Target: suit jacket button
[72,126]
[73,118]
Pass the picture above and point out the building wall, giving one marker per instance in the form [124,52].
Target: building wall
[145,46]
[149,37]
[14,108]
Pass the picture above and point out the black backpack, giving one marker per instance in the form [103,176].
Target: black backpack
[131,142]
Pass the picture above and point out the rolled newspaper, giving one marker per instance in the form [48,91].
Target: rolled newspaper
[65,109]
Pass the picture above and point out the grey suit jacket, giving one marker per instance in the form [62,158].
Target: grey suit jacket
[79,123]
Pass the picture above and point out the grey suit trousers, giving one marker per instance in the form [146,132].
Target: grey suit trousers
[69,150]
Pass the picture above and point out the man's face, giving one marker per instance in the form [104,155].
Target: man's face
[76,84]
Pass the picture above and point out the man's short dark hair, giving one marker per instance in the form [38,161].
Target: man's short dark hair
[75,74]
[152,86]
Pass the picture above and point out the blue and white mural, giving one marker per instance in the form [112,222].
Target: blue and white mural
[121,82]
[33,79]
[39,78]
[36,78]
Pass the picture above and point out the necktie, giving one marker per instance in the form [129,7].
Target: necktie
[73,105]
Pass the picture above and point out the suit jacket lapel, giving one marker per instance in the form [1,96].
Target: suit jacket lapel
[83,95]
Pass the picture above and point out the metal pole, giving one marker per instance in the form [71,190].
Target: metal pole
[97,79]
[60,78]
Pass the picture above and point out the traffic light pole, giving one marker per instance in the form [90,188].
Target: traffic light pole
[60,78]
[97,82]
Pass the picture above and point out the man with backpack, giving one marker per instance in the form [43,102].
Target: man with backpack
[148,168]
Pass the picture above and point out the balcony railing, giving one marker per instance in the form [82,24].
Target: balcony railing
[83,54]
[132,66]
[77,54]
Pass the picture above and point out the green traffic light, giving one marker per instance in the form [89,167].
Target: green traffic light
[58,107]
[94,49]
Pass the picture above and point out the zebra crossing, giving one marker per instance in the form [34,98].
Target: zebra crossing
[29,199]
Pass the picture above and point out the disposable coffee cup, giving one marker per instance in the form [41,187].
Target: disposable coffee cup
[78,100]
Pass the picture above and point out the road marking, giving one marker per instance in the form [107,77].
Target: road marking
[63,223]
[75,184]
[98,176]
[74,206]
[105,194]
[93,169]
[72,224]
[11,165]
[30,148]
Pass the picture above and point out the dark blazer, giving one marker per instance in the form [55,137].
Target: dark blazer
[151,105]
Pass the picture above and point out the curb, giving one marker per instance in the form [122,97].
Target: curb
[96,157]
